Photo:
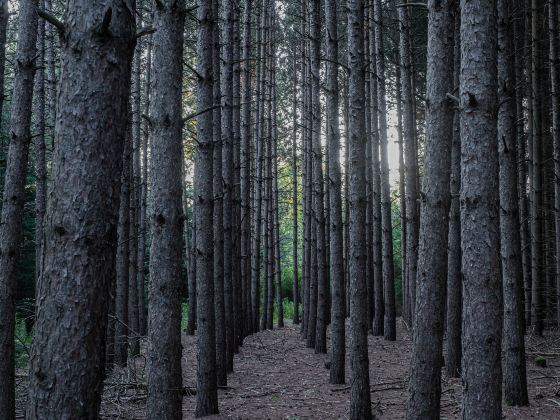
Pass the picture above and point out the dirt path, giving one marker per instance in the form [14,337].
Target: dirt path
[277,377]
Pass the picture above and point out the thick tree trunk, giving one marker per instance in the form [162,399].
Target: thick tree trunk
[206,382]
[454,280]
[338,343]
[425,376]
[360,407]
[164,311]
[515,379]
[11,229]
[482,313]
[4,15]
[67,369]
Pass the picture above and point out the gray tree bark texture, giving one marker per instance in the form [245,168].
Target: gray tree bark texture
[425,374]
[164,308]
[219,301]
[515,377]
[4,15]
[389,320]
[482,292]
[206,382]
[360,406]
[555,88]
[318,187]
[226,81]
[11,229]
[379,299]
[454,277]
[67,364]
[295,199]
[338,311]
[411,162]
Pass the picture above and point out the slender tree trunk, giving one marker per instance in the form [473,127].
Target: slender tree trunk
[227,175]
[39,149]
[555,86]
[11,229]
[67,370]
[218,191]
[389,327]
[538,283]
[425,375]
[338,343]
[515,379]
[206,382]
[411,161]
[454,280]
[245,164]
[276,222]
[164,312]
[379,304]
[122,265]
[360,407]
[295,197]
[482,310]
[4,15]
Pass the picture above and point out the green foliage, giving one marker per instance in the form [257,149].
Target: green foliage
[540,361]
[22,338]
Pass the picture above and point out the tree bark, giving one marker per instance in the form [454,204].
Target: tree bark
[206,382]
[67,366]
[482,314]
[295,197]
[11,229]
[515,379]
[338,343]
[425,377]
[360,407]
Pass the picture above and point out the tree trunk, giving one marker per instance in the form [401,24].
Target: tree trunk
[515,379]
[164,312]
[360,406]
[482,313]
[206,381]
[227,176]
[295,197]
[411,162]
[425,376]
[4,15]
[338,343]
[11,229]
[454,280]
[67,369]
[389,327]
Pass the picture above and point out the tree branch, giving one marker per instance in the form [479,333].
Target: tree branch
[196,114]
[52,19]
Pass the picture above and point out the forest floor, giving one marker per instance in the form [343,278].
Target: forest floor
[277,377]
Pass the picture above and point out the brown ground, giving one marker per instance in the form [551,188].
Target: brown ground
[277,377]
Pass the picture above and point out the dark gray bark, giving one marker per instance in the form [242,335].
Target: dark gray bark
[245,166]
[11,229]
[67,369]
[425,376]
[121,262]
[295,199]
[360,407]
[379,299]
[454,279]
[318,188]
[206,382]
[482,313]
[226,81]
[4,15]
[338,343]
[411,162]
[164,308]
[389,324]
[218,192]
[555,93]
[515,379]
